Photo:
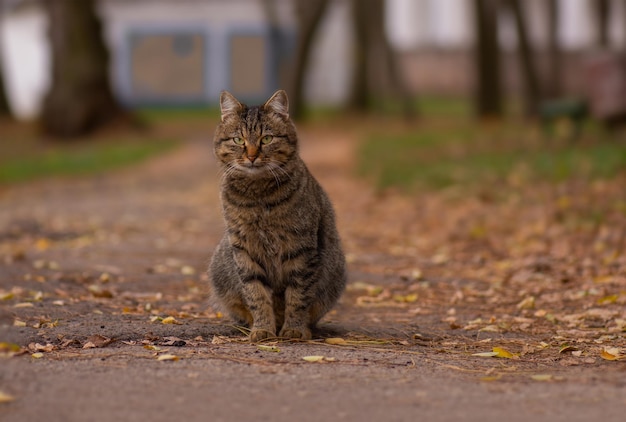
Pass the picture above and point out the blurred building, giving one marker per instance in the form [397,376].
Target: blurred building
[184,52]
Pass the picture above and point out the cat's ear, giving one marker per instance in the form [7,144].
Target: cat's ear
[278,103]
[229,104]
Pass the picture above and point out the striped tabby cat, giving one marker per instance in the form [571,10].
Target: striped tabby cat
[279,267]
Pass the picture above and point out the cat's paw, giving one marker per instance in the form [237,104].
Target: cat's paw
[257,335]
[295,333]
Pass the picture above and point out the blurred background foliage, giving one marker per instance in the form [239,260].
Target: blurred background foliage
[443,93]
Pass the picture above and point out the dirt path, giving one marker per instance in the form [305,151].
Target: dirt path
[102,286]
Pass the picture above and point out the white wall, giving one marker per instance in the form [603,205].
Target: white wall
[25,60]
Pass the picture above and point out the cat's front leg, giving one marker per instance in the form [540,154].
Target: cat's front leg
[297,314]
[259,302]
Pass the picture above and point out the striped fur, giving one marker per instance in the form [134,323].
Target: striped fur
[279,267]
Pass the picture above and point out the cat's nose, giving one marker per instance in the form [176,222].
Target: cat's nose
[252,158]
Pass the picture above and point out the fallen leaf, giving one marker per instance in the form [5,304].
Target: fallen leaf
[37,355]
[335,340]
[607,300]
[6,398]
[567,348]
[267,348]
[542,377]
[98,341]
[187,270]
[168,357]
[486,354]
[19,323]
[503,353]
[313,358]
[611,353]
[98,291]
[170,320]
[527,303]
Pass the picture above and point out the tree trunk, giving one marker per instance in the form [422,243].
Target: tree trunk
[376,71]
[80,99]
[309,14]
[5,110]
[488,78]
[602,13]
[531,82]
[554,87]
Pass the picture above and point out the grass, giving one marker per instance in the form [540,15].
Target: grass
[446,149]
[92,157]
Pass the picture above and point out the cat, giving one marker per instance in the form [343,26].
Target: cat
[280,266]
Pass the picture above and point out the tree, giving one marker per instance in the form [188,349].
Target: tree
[309,14]
[80,98]
[488,78]
[554,86]
[529,73]
[5,110]
[602,9]
[376,71]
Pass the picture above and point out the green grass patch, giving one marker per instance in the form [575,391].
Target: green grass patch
[38,161]
[464,154]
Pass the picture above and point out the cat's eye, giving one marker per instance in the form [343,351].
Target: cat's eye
[237,140]
[267,139]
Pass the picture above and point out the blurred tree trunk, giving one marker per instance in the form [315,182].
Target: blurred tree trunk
[79,99]
[602,9]
[376,71]
[309,14]
[554,87]
[488,83]
[5,110]
[529,73]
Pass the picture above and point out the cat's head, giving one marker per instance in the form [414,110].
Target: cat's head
[255,140]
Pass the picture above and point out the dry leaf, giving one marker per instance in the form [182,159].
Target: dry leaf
[335,340]
[170,320]
[37,355]
[97,341]
[486,354]
[313,358]
[5,398]
[267,348]
[542,377]
[168,357]
[503,353]
[612,353]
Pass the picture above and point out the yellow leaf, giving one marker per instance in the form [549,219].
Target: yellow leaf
[607,300]
[335,340]
[19,323]
[6,295]
[168,357]
[187,270]
[170,320]
[503,353]
[267,348]
[542,377]
[42,244]
[37,355]
[23,305]
[313,358]
[151,347]
[567,348]
[612,353]
[9,347]
[6,398]
[527,303]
